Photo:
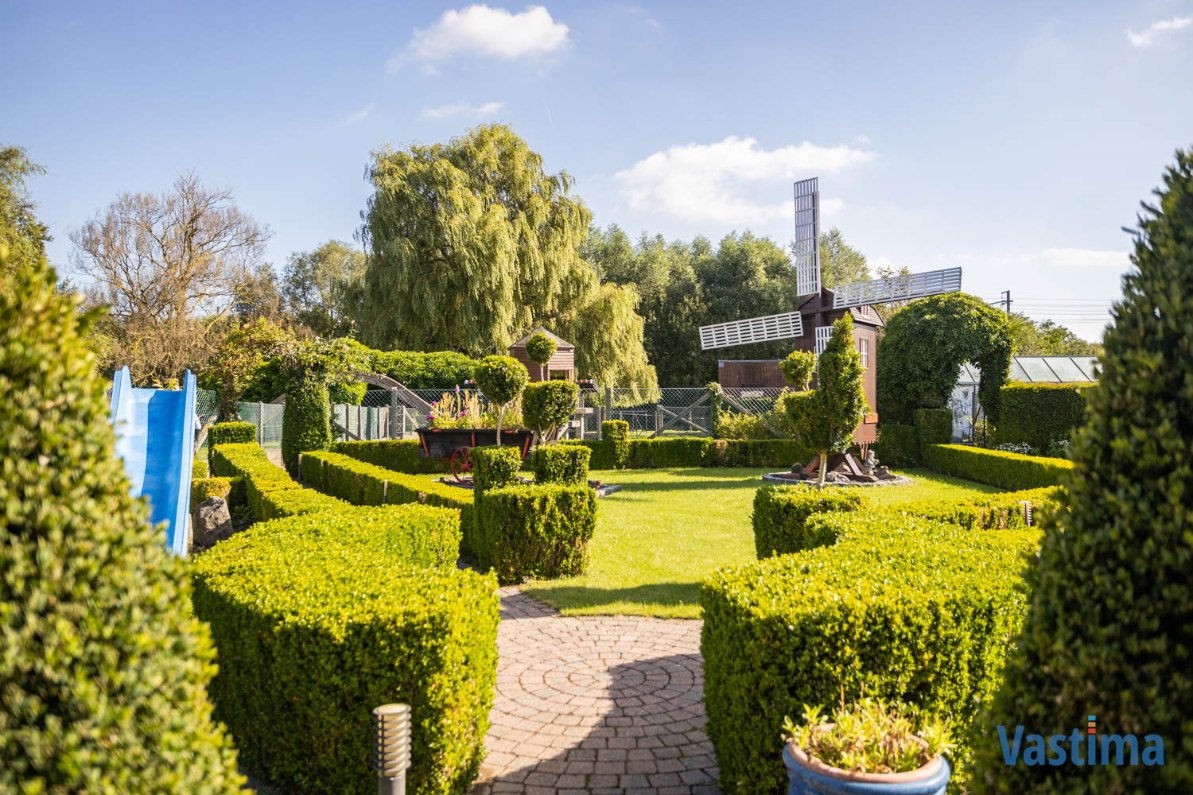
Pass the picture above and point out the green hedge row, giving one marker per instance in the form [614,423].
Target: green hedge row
[898,445]
[269,491]
[203,489]
[781,515]
[535,532]
[395,455]
[557,463]
[697,451]
[319,618]
[996,468]
[199,469]
[362,483]
[231,433]
[1000,511]
[906,609]
[1040,414]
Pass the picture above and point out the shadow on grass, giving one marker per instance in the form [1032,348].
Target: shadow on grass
[743,482]
[570,597]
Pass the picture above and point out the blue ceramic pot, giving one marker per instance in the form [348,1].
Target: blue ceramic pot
[807,776]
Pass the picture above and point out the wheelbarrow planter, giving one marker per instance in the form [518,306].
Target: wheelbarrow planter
[454,444]
[809,776]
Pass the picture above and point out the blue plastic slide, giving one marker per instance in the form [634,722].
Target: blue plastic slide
[155,438]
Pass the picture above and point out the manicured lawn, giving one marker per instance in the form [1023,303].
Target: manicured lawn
[669,528]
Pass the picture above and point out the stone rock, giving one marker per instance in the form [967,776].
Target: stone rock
[797,468]
[210,522]
[884,474]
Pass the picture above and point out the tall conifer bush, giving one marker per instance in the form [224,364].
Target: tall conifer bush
[1109,631]
[103,669]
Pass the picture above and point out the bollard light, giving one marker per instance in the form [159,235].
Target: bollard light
[391,747]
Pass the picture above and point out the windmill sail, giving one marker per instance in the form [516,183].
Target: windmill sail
[902,287]
[755,329]
[807,236]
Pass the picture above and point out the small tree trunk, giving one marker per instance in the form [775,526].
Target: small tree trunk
[500,417]
[823,467]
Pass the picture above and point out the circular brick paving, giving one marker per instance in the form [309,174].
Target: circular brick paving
[601,704]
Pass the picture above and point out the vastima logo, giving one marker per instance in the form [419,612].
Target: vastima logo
[1081,749]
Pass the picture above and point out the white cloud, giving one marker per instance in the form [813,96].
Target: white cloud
[461,109]
[487,32]
[1086,258]
[361,114]
[644,15]
[704,182]
[1146,38]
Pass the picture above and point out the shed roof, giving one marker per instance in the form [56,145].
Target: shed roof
[560,342]
[1041,370]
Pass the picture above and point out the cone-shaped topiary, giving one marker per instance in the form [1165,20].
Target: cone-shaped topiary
[1109,630]
[103,669]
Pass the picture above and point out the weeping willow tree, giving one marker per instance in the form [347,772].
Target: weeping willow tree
[471,244]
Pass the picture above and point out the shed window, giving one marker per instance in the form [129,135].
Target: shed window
[863,347]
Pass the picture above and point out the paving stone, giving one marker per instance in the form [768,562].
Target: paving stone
[601,704]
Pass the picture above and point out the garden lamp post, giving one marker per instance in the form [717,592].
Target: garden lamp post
[391,749]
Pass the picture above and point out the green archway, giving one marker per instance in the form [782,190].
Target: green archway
[924,346]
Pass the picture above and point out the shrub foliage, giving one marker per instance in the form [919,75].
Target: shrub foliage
[231,433]
[898,445]
[320,618]
[306,421]
[1110,626]
[558,463]
[104,669]
[781,516]
[997,468]
[1040,414]
[924,346]
[538,532]
[546,405]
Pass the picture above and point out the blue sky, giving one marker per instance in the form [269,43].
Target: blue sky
[1013,140]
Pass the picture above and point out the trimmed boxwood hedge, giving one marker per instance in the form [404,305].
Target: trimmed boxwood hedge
[231,433]
[203,489]
[306,420]
[993,511]
[781,516]
[558,463]
[269,491]
[898,445]
[199,469]
[616,436]
[361,483]
[1040,414]
[395,455]
[535,532]
[320,618]
[935,426]
[681,452]
[997,468]
[911,610]
[494,466]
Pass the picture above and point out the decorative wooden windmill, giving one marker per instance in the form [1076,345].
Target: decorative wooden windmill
[809,324]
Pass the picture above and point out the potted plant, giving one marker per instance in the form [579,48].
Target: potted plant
[868,748]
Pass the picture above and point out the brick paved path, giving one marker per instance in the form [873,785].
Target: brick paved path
[601,704]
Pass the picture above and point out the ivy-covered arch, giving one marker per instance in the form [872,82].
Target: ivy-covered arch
[924,346]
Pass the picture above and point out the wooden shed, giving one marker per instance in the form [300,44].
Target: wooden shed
[818,316]
[561,366]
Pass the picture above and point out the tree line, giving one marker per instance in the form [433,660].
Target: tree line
[463,246]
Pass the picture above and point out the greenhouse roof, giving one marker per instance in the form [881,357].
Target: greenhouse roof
[1041,370]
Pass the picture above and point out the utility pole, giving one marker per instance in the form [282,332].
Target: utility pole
[1006,300]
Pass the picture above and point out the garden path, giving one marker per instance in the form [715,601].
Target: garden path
[596,704]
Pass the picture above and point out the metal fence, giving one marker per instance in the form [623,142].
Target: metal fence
[395,414]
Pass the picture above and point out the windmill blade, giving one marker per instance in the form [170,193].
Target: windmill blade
[807,236]
[755,329]
[903,287]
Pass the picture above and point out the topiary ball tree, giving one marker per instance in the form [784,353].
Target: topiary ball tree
[540,348]
[797,369]
[546,405]
[922,350]
[103,668]
[501,379]
[826,417]
[1109,627]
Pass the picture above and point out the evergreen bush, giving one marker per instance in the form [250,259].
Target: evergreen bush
[203,489]
[781,514]
[103,667]
[798,368]
[540,348]
[1109,630]
[557,463]
[547,405]
[898,445]
[495,466]
[500,379]
[617,434]
[320,618]
[394,454]
[1039,415]
[231,433]
[996,468]
[535,532]
[418,370]
[935,426]
[306,420]
[906,609]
